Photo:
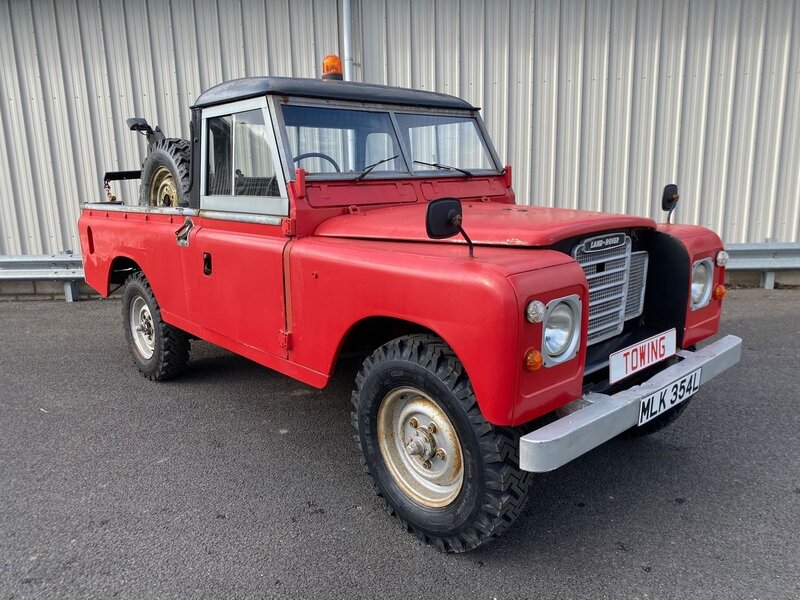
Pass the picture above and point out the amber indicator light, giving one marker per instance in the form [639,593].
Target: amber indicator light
[719,292]
[533,360]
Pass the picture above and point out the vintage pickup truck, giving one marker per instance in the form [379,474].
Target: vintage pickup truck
[309,219]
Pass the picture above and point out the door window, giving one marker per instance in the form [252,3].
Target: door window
[241,173]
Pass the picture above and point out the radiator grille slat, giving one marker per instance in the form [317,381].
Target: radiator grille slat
[636,284]
[617,279]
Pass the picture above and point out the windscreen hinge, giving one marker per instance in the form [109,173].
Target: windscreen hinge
[288,226]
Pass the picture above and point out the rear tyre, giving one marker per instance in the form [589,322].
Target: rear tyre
[166,174]
[435,463]
[159,350]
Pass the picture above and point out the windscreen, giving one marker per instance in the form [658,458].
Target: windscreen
[438,141]
[335,140]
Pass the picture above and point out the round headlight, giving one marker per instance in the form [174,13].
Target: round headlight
[559,329]
[701,282]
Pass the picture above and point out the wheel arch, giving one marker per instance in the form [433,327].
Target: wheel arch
[369,333]
[119,270]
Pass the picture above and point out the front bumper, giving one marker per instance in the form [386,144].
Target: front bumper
[604,417]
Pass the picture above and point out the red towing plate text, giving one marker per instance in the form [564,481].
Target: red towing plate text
[641,355]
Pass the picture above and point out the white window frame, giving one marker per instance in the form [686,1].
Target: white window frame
[260,205]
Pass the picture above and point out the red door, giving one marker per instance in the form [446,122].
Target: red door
[234,267]
[234,278]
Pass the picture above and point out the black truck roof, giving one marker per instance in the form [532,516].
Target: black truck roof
[251,87]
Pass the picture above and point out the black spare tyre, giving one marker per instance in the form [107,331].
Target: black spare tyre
[166,174]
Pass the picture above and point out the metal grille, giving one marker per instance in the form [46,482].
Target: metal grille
[616,278]
[636,284]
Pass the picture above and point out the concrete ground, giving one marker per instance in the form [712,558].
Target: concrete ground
[236,482]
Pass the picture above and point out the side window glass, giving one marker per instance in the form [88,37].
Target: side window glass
[239,161]
[218,163]
[254,173]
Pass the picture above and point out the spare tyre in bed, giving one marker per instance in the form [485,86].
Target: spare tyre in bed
[166,174]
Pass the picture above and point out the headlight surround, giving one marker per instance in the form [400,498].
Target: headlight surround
[702,283]
[561,330]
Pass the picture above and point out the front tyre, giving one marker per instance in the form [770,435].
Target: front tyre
[159,350]
[452,478]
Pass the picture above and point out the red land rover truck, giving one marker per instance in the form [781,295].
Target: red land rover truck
[308,218]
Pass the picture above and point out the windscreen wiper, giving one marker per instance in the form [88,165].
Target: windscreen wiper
[445,167]
[369,168]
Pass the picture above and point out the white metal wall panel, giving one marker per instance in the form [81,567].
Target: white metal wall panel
[423,64]
[696,92]
[599,103]
[570,99]
[622,46]
[594,109]
[787,204]
[545,102]
[771,116]
[72,71]
[668,107]
[520,93]
[596,103]
[447,50]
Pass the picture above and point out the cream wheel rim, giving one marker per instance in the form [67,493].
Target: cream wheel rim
[420,447]
[163,191]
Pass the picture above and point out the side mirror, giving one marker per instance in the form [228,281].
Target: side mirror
[443,220]
[669,199]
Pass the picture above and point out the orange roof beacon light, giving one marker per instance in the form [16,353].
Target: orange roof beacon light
[332,67]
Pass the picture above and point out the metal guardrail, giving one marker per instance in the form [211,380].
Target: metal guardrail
[766,257]
[67,268]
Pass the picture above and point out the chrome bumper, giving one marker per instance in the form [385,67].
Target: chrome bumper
[603,417]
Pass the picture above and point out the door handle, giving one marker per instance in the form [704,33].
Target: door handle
[206,263]
[182,233]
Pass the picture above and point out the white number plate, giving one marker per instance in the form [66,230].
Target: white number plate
[641,355]
[669,396]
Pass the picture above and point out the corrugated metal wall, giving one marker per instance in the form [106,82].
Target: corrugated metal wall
[72,71]
[596,103]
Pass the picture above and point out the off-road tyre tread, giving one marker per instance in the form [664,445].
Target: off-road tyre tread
[180,151]
[506,487]
[172,344]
